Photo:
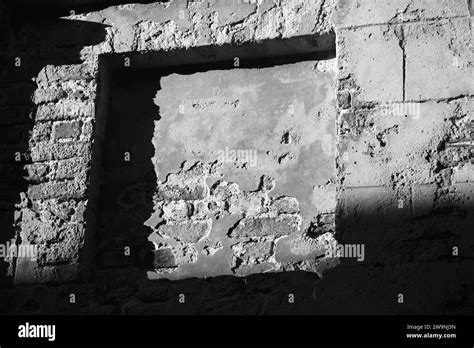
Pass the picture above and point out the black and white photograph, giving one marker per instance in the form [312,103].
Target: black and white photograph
[207,171]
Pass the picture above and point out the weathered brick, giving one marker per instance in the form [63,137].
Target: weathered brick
[64,189]
[344,99]
[87,130]
[255,251]
[67,130]
[59,253]
[37,172]
[298,248]
[65,109]
[163,258]
[177,192]
[266,226]
[46,95]
[35,230]
[71,238]
[177,210]
[286,205]
[54,73]
[44,151]
[188,232]
[41,132]
[71,168]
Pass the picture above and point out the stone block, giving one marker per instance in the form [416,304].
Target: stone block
[253,251]
[65,109]
[188,232]
[163,258]
[282,225]
[41,131]
[71,168]
[47,95]
[64,189]
[70,130]
[37,172]
[44,151]
[181,192]
[371,57]
[298,248]
[286,205]
[54,73]
[438,59]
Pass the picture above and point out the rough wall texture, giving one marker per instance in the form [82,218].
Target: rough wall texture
[404,179]
[245,162]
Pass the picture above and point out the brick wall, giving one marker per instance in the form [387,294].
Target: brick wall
[404,182]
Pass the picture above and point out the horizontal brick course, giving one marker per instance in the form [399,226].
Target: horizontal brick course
[46,95]
[44,151]
[66,109]
[51,73]
[177,192]
[71,168]
[188,232]
[63,189]
[266,226]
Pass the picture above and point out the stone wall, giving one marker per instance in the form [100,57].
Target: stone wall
[234,175]
[404,182]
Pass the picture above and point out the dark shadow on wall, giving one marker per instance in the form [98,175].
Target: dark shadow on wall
[127,178]
[31,44]
[403,255]
[410,266]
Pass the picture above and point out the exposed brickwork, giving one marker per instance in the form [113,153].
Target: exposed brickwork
[404,163]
